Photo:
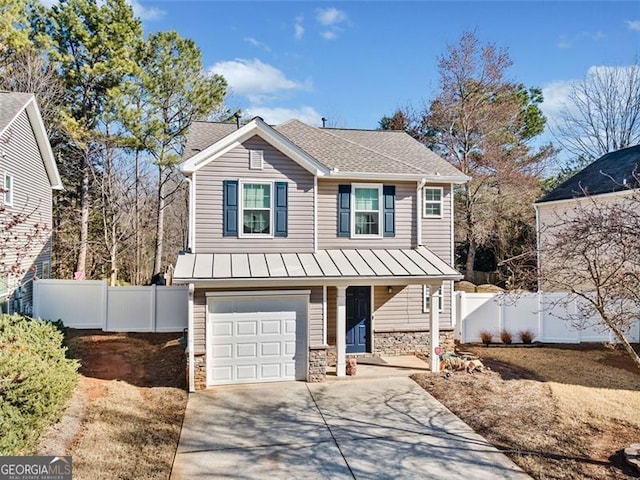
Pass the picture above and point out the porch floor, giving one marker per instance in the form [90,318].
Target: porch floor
[383,367]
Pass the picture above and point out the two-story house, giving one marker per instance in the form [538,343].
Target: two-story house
[28,174]
[310,244]
[609,180]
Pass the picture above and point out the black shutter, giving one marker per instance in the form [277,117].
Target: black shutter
[344,210]
[389,200]
[230,212]
[281,209]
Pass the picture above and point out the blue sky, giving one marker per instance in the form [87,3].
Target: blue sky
[355,61]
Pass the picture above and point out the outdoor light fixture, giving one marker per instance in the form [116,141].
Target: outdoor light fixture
[389,289]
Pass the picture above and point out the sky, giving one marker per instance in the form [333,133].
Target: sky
[355,61]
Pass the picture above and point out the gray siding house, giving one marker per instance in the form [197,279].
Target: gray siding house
[28,174]
[308,245]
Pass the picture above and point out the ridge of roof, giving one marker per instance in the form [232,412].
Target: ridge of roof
[613,172]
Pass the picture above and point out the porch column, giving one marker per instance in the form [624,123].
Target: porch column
[341,331]
[434,326]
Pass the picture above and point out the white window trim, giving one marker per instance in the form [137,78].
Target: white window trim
[425,296]
[241,233]
[353,209]
[425,201]
[9,192]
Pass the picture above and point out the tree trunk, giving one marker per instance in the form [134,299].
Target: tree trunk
[625,343]
[157,262]
[81,264]
[138,267]
[469,275]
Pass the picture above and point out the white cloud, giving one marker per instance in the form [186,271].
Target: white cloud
[146,13]
[555,95]
[633,25]
[298,28]
[257,43]
[328,34]
[330,16]
[255,79]
[277,115]
[568,41]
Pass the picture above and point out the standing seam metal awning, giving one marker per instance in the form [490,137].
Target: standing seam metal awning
[323,265]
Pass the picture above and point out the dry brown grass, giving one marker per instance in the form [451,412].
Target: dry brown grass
[125,418]
[558,412]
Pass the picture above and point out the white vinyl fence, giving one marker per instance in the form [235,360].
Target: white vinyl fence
[541,313]
[92,304]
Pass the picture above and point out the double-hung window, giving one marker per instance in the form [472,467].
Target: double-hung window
[8,190]
[367,210]
[432,202]
[256,207]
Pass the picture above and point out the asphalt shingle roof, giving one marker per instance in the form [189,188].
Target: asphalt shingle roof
[10,104]
[612,172]
[348,151]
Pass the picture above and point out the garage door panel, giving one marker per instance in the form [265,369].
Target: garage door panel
[257,346]
[247,350]
[270,349]
[244,328]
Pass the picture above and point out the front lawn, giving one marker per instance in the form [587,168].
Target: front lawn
[125,417]
[558,412]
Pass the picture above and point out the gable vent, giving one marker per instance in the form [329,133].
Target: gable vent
[256,160]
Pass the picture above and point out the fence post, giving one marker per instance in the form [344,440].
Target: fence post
[460,312]
[36,307]
[540,316]
[500,315]
[105,305]
[154,308]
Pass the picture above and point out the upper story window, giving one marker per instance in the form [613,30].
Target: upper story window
[259,208]
[367,211]
[8,190]
[256,208]
[432,202]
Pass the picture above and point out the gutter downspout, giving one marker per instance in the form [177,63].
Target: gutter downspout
[190,342]
[192,214]
[420,184]
[315,213]
[535,206]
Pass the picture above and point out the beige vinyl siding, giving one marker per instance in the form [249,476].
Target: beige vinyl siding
[32,192]
[328,218]
[436,232]
[401,310]
[235,165]
[315,322]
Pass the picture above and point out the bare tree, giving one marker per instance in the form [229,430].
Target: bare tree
[602,114]
[592,250]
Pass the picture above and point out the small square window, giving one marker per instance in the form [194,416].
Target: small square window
[432,202]
[8,190]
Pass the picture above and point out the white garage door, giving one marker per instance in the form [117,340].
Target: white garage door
[256,339]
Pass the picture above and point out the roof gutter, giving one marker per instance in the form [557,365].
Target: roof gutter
[409,177]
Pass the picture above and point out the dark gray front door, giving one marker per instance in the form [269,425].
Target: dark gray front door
[358,319]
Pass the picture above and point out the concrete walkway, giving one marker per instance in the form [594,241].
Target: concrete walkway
[364,429]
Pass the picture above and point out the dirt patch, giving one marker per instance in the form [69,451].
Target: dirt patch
[557,412]
[125,417]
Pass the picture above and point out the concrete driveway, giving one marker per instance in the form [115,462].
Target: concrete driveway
[363,429]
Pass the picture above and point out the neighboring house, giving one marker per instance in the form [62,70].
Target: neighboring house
[610,178]
[310,244]
[28,174]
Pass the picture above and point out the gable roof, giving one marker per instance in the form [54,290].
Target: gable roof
[12,104]
[342,153]
[613,172]
[255,127]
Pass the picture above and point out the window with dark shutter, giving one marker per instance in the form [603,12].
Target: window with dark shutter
[281,209]
[389,195]
[230,205]
[344,210]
